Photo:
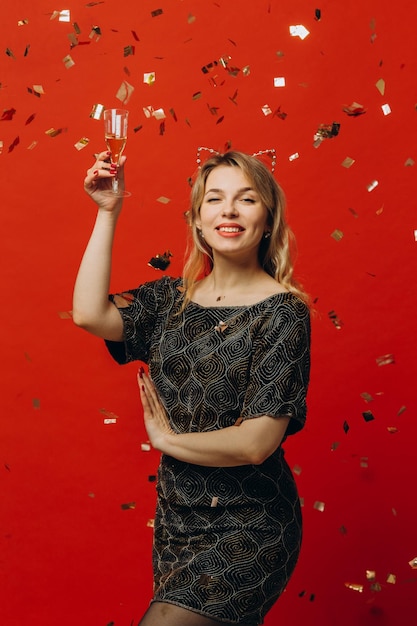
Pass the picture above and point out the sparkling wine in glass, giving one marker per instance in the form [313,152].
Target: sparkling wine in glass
[115,133]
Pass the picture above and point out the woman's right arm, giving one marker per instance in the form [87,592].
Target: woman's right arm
[92,309]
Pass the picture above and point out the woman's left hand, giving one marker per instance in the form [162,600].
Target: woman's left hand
[155,417]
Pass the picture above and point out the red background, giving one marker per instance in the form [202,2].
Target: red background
[69,553]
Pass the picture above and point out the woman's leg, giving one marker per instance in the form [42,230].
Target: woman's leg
[166,614]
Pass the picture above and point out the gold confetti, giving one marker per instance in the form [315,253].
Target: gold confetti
[297,470]
[401,410]
[301,501]
[366,396]
[335,320]
[391,579]
[392,429]
[23,22]
[205,580]
[413,563]
[238,421]
[372,185]
[53,132]
[319,506]
[163,200]
[380,85]
[63,16]
[109,415]
[95,33]
[379,211]
[109,420]
[145,447]
[386,109]
[150,523]
[32,145]
[220,328]
[266,110]
[337,234]
[159,114]
[65,315]
[385,359]
[128,505]
[36,403]
[149,78]
[334,446]
[364,462]
[77,28]
[82,143]
[348,162]
[294,156]
[214,501]
[343,530]
[191,19]
[38,89]
[355,587]
[73,40]
[161,261]
[128,51]
[97,111]
[246,70]
[346,427]
[1,146]
[197,95]
[354,109]
[125,92]
[409,162]
[375,587]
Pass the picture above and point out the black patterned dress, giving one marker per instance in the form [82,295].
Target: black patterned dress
[226,539]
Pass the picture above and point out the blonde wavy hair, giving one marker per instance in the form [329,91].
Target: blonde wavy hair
[275,253]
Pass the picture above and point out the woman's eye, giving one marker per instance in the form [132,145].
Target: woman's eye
[249,200]
[213,199]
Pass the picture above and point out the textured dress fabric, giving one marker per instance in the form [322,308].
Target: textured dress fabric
[226,539]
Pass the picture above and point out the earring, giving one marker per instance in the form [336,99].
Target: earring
[200,233]
[267,234]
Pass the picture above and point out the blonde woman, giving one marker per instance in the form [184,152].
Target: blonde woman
[227,353]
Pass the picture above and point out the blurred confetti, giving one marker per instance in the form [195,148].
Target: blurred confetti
[337,235]
[368,416]
[334,318]
[380,85]
[373,185]
[128,505]
[319,506]
[299,31]
[161,261]
[413,563]
[355,587]
[385,359]
[125,92]
[348,162]
[354,109]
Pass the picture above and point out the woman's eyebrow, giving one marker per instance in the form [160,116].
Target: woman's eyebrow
[243,190]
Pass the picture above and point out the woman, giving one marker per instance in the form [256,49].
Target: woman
[228,353]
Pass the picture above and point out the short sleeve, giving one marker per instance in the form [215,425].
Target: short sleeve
[139,309]
[280,368]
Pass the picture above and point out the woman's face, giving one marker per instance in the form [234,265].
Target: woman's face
[232,218]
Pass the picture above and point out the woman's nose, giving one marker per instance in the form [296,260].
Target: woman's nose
[229,208]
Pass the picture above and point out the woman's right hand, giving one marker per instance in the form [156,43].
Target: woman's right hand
[99,179]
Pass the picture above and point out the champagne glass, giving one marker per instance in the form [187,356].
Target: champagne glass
[115,133]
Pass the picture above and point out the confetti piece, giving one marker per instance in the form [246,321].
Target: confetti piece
[337,235]
[10,53]
[214,501]
[335,320]
[95,33]
[197,95]
[205,580]
[68,61]
[65,315]
[392,430]
[327,131]
[376,587]
[354,587]
[279,81]
[125,92]
[317,15]
[36,403]
[108,420]
[149,78]
[128,51]
[23,22]
[319,506]
[348,162]
[159,114]
[385,359]
[366,396]
[386,109]
[353,212]
[413,563]
[209,67]
[151,478]
[346,427]
[372,185]
[7,115]
[401,410]
[145,447]
[354,110]
[220,328]
[109,415]
[299,31]
[294,156]
[30,119]
[53,132]
[368,416]
[301,501]
[238,422]
[391,579]
[364,462]
[370,574]
[409,162]
[32,145]
[1,147]
[191,18]
[380,85]
[281,114]
[156,12]
[14,143]
[297,470]
[266,110]
[128,505]
[150,523]
[161,261]
[343,530]
[335,445]
[97,111]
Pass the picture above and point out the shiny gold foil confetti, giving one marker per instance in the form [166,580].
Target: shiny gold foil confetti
[145,447]
[150,523]
[23,22]
[376,587]
[337,234]
[401,410]
[336,321]
[1,146]
[68,61]
[385,359]
[392,430]
[370,574]
[109,415]
[368,416]
[191,18]
[380,85]
[97,111]
[364,462]
[220,328]
[53,132]
[299,30]
[246,70]
[238,421]
[95,33]
[294,156]
[77,28]
[163,200]
[214,501]
[37,90]
[391,579]
[319,506]
[297,470]
[354,587]
[32,145]
[109,420]
[347,162]
[413,563]
[301,501]
[386,109]
[159,114]
[409,162]
[149,78]
[366,396]
[372,185]
[82,143]
[128,505]
[125,92]
[266,110]
[279,81]
[128,51]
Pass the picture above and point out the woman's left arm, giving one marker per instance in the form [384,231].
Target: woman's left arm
[249,443]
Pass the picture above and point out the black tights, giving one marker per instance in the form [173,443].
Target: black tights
[165,614]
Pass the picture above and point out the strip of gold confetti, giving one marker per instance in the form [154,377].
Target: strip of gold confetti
[337,235]
[319,506]
[125,92]
[68,61]
[82,143]
[128,505]
[355,587]
[385,359]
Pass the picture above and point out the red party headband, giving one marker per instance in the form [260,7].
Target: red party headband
[270,152]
